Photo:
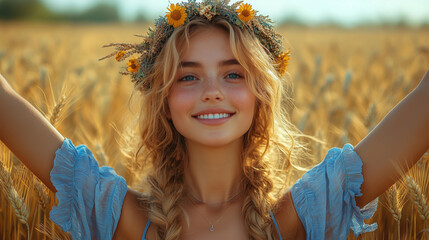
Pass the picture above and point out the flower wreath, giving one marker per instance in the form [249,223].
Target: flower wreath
[238,13]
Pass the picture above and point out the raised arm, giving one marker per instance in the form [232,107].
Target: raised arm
[27,133]
[399,140]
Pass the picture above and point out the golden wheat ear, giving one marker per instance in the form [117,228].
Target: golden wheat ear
[396,199]
[16,201]
[57,110]
[51,231]
[420,200]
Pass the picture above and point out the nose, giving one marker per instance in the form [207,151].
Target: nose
[212,91]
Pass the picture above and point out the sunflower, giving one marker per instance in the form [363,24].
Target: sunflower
[176,15]
[119,55]
[245,12]
[283,61]
[133,65]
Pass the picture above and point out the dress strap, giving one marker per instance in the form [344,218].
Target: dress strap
[145,230]
[275,224]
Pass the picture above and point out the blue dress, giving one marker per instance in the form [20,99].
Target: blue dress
[90,197]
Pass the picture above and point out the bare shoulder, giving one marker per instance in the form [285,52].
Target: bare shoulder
[133,218]
[288,220]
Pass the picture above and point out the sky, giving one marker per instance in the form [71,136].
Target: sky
[347,12]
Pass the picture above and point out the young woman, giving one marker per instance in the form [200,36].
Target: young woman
[215,139]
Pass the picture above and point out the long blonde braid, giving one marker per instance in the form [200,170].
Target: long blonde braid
[166,184]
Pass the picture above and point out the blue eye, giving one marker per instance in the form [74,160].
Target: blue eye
[234,76]
[188,78]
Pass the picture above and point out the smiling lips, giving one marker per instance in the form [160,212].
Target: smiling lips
[213,114]
[213,119]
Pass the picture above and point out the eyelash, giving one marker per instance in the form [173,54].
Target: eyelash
[237,76]
[187,76]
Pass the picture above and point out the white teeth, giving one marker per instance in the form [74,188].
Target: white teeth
[213,116]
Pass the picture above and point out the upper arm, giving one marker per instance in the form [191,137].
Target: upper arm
[288,220]
[27,133]
[133,218]
[399,140]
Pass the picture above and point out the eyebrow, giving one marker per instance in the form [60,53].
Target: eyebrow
[199,65]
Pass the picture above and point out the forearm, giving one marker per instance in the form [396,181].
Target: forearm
[27,133]
[399,141]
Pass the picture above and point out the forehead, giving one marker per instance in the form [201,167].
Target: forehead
[208,43]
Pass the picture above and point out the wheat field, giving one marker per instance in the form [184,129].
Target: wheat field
[345,81]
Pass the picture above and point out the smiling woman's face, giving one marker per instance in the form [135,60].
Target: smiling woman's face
[210,102]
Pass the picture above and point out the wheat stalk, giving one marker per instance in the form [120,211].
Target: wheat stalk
[371,116]
[330,78]
[419,200]
[57,110]
[43,197]
[102,157]
[396,201]
[319,147]
[17,203]
[317,65]
[347,80]
[47,232]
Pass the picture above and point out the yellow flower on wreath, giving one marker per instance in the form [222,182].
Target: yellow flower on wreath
[119,55]
[176,15]
[245,12]
[133,65]
[283,61]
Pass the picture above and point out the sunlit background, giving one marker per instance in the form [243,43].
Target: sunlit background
[351,62]
[348,13]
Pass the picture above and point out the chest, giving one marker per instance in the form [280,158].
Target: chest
[203,223]
[199,222]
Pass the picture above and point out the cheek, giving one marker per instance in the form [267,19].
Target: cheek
[179,102]
[245,101]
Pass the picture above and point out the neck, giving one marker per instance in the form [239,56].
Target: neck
[213,174]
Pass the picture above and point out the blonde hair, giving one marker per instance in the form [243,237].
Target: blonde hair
[267,146]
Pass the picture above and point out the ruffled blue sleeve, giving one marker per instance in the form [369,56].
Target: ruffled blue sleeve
[89,197]
[324,197]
